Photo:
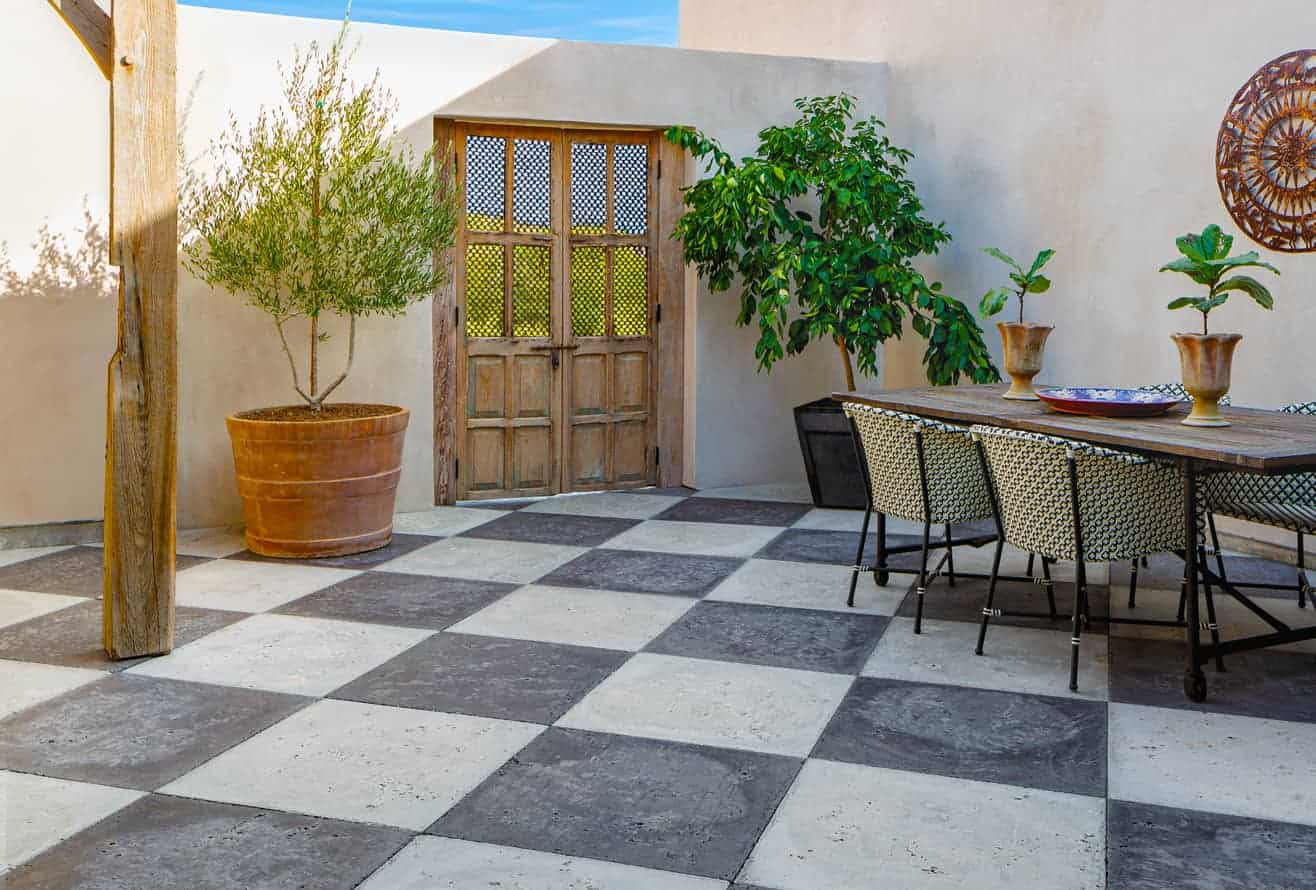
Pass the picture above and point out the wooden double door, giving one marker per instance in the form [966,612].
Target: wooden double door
[556,310]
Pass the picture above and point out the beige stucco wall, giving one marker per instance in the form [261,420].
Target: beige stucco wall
[1087,126]
[52,356]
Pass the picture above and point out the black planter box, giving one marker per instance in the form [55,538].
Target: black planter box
[835,478]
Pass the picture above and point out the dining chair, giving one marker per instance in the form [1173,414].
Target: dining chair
[1069,500]
[1287,502]
[922,471]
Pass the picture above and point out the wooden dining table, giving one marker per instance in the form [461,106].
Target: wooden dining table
[1257,441]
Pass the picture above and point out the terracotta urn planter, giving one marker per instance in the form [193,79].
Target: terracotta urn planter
[1205,360]
[318,485]
[1023,342]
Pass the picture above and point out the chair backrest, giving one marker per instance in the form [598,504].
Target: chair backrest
[1176,391]
[1128,504]
[1300,408]
[891,443]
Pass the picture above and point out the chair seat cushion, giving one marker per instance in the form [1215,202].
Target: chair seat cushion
[1294,517]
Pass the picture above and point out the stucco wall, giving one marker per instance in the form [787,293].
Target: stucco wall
[52,358]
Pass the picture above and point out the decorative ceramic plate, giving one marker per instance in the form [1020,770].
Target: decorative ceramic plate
[1108,402]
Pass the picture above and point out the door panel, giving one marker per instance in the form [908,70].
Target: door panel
[556,293]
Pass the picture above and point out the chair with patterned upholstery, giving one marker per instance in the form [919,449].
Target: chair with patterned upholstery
[1080,502]
[1287,502]
[925,471]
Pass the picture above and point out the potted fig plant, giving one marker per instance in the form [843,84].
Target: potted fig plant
[314,211]
[820,227]
[1022,342]
[1206,359]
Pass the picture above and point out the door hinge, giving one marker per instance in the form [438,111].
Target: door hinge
[456,316]
[456,467]
[657,313]
[660,169]
[657,462]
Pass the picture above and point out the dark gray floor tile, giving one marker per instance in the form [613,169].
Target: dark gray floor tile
[167,843]
[678,491]
[73,637]
[1035,741]
[815,545]
[964,602]
[665,805]
[1161,848]
[1164,571]
[487,677]
[552,528]
[78,571]
[136,732]
[639,572]
[398,599]
[1265,683]
[398,546]
[735,511]
[772,635]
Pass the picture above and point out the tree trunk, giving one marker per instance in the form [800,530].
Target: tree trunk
[849,365]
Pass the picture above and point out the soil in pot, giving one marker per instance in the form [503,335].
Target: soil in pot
[317,484]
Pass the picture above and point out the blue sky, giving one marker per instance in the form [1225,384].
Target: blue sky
[611,21]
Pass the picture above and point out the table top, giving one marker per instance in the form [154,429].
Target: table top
[1259,441]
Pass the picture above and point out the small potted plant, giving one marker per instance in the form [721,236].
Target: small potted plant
[314,211]
[1023,341]
[819,230]
[1205,359]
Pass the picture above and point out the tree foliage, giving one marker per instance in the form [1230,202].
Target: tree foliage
[1030,281]
[314,209]
[844,271]
[1206,261]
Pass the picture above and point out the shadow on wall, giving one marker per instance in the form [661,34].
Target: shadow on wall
[57,332]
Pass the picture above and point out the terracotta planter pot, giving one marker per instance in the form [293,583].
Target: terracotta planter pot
[1023,342]
[318,487]
[1205,360]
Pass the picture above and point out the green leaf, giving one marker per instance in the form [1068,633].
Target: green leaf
[1003,257]
[1189,247]
[1209,243]
[1250,286]
[1043,257]
[1039,284]
[1197,271]
[1183,302]
[1251,259]
[1207,305]
[993,301]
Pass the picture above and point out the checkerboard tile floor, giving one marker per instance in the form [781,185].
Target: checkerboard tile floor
[633,690]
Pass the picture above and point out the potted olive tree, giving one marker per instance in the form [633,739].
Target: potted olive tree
[1206,359]
[1022,342]
[314,211]
[820,227]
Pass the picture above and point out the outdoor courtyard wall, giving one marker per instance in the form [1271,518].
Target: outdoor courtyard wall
[54,346]
[1089,127]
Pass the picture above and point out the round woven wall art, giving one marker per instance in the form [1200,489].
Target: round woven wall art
[1266,154]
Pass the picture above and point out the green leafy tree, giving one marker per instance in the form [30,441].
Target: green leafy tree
[1206,261]
[1025,282]
[848,267]
[313,209]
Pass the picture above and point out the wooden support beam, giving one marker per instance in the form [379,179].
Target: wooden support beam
[87,20]
[141,442]
[445,347]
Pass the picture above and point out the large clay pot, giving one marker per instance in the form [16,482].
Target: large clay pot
[318,487]
[1205,360]
[1023,342]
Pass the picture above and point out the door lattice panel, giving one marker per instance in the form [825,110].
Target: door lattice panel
[630,201]
[486,187]
[630,291]
[532,206]
[532,288]
[589,188]
[588,292]
[484,290]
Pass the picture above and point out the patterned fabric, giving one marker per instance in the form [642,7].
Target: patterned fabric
[1129,506]
[1283,501]
[957,490]
[1176,390]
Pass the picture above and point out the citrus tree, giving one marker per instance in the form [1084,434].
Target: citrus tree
[821,226]
[313,209]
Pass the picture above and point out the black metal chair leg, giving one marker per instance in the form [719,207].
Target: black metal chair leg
[922,588]
[991,595]
[1215,545]
[1050,587]
[1076,626]
[1183,590]
[1211,624]
[1031,557]
[1133,585]
[950,559]
[858,558]
[1302,574]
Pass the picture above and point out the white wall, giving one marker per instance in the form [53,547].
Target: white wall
[52,357]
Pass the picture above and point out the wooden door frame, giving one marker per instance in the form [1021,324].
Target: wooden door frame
[669,296]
